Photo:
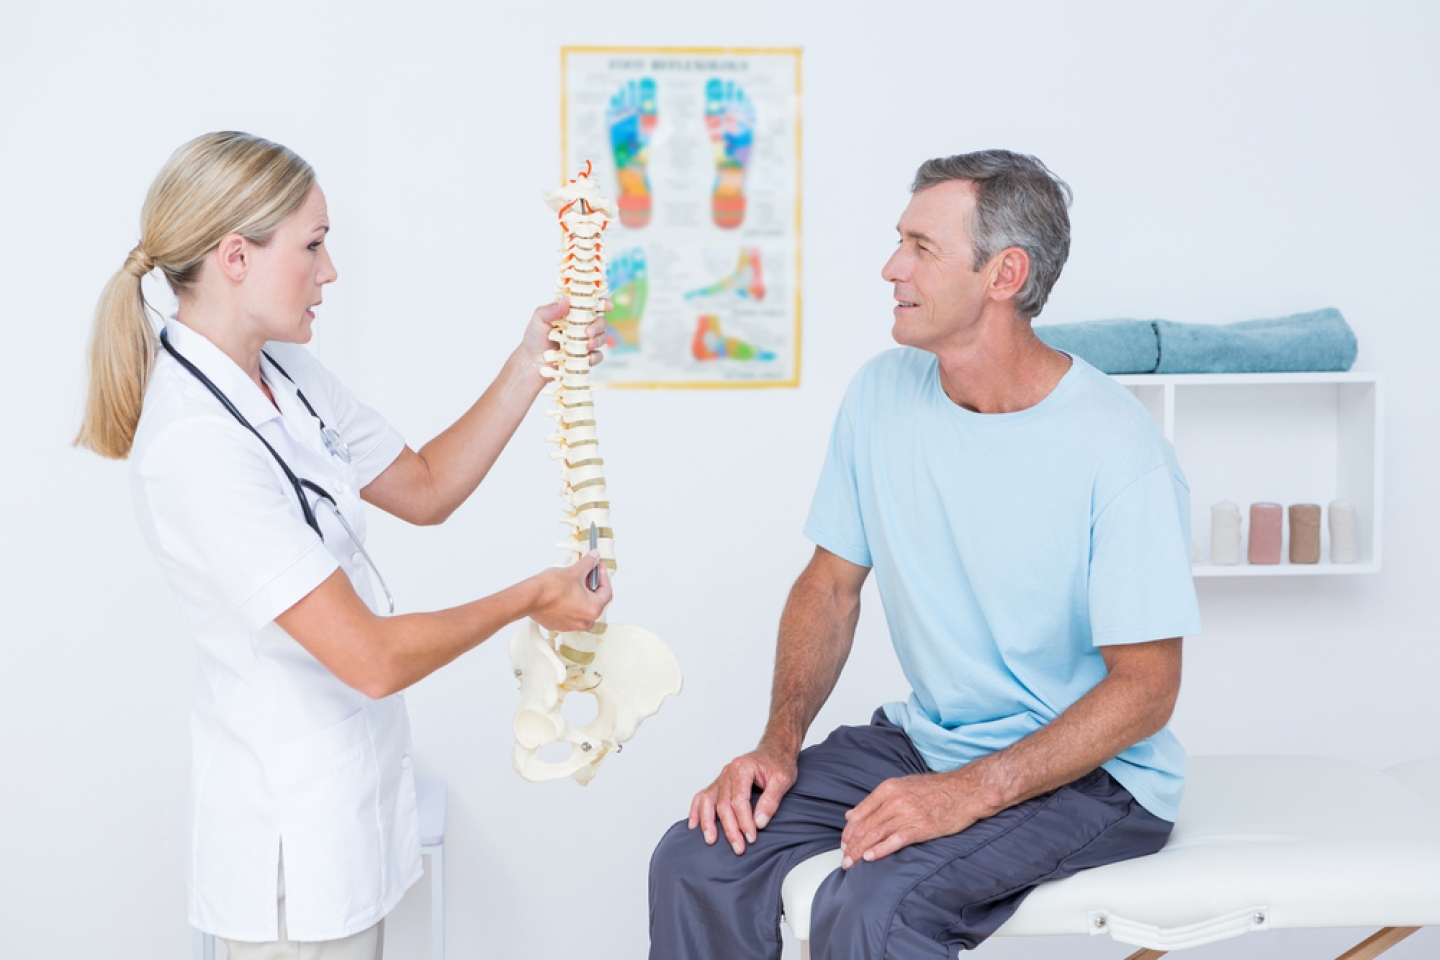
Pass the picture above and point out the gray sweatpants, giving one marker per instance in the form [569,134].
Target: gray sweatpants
[929,900]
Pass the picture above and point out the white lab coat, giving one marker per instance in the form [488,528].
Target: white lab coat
[283,752]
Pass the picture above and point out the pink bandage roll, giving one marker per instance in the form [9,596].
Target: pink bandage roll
[1266,531]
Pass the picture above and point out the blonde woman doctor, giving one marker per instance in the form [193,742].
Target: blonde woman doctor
[249,462]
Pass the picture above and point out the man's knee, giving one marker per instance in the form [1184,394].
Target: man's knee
[675,855]
[850,908]
[899,906]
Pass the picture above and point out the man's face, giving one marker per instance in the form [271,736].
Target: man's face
[938,293]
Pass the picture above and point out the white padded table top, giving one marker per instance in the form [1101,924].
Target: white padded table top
[1260,843]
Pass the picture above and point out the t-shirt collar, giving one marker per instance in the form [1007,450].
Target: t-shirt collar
[222,371]
[1051,400]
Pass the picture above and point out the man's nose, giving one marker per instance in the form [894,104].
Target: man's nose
[893,271]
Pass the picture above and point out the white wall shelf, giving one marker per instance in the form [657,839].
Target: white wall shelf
[1279,437]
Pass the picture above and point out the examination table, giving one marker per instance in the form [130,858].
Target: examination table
[1261,843]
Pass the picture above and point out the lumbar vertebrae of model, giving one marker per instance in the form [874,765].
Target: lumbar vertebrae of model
[627,669]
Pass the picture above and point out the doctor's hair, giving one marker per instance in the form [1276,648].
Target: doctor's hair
[1019,203]
[213,186]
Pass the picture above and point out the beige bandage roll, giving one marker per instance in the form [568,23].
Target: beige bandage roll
[1344,532]
[1225,534]
[1267,522]
[1304,533]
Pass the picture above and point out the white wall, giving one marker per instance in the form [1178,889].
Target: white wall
[1230,160]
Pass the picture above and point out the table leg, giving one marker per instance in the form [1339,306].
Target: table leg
[1378,944]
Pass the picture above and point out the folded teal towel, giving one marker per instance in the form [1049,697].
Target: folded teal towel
[1319,340]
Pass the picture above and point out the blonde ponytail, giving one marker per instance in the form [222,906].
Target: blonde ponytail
[213,186]
[122,351]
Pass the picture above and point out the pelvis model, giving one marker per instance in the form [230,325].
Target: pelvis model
[626,668]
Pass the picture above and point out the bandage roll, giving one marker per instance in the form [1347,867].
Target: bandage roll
[1344,532]
[1267,522]
[1304,533]
[1225,534]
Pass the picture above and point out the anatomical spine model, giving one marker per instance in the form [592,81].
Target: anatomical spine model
[626,668]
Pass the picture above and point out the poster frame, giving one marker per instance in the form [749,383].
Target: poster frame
[565,51]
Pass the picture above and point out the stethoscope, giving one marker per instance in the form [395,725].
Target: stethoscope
[334,445]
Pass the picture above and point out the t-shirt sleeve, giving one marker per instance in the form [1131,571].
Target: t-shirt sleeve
[1141,585]
[835,522]
[224,515]
[374,443]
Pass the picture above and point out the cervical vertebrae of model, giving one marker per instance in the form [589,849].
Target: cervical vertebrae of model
[627,669]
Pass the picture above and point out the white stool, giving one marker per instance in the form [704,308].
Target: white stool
[430,798]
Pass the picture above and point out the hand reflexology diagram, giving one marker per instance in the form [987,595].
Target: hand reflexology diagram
[627,669]
[702,148]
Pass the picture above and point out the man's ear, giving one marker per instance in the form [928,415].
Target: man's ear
[232,256]
[1011,268]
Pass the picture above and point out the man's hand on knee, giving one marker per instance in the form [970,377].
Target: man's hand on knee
[728,798]
[909,810]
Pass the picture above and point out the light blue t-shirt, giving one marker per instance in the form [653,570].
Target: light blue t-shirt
[1008,548]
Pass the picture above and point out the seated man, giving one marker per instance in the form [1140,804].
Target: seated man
[1029,529]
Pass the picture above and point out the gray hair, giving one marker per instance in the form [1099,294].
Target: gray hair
[1019,203]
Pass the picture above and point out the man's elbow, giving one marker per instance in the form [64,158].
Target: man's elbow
[1161,698]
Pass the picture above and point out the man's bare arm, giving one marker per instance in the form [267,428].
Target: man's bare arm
[817,630]
[1134,701]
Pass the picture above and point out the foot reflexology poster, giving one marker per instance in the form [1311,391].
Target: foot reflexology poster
[700,149]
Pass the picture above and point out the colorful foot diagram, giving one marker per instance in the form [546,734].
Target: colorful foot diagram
[730,118]
[710,343]
[629,285]
[746,282]
[632,118]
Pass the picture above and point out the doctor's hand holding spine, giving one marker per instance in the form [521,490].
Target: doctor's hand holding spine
[249,462]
